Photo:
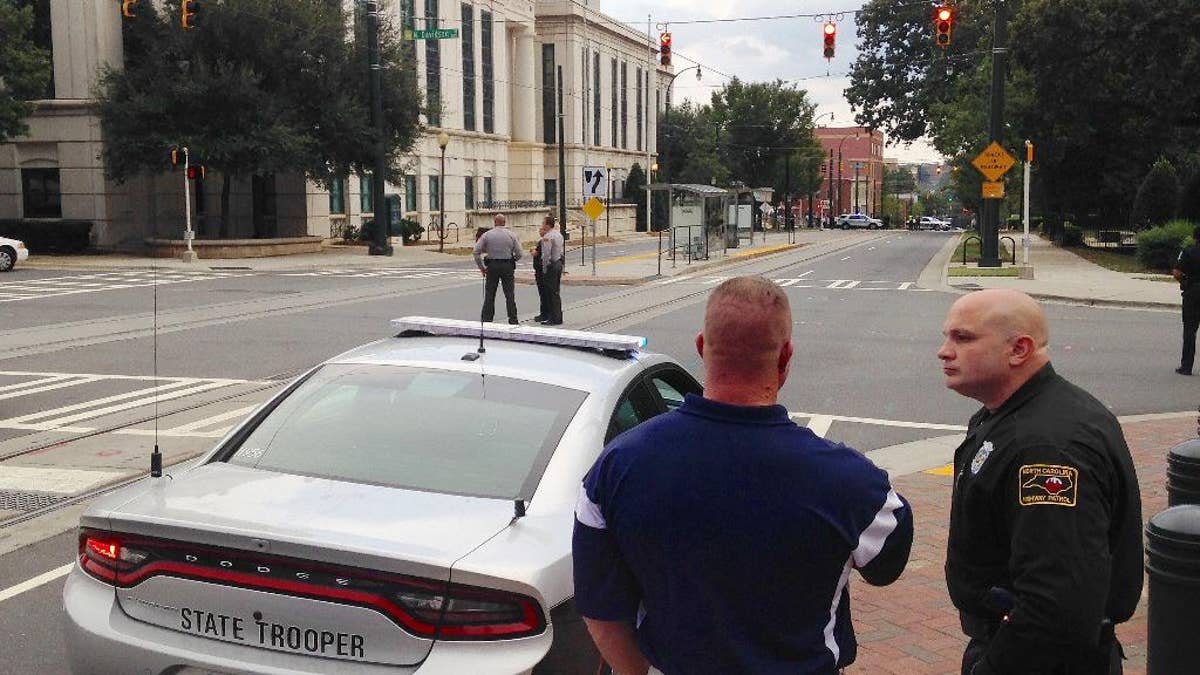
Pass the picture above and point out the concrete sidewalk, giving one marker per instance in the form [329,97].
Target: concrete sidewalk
[1060,275]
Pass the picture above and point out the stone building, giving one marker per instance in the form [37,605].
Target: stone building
[493,91]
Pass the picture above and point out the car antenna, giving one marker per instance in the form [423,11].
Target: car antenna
[156,456]
[474,356]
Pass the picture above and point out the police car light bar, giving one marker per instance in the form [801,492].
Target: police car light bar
[498,331]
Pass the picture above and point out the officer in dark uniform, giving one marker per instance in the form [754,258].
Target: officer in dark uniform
[1044,554]
[1187,273]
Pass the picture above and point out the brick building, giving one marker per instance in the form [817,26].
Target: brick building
[857,182]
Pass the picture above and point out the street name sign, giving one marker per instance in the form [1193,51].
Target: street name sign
[593,208]
[595,182]
[994,161]
[993,189]
[430,33]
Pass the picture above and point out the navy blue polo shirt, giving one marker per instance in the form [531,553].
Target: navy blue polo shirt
[727,535]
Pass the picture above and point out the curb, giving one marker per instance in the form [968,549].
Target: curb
[588,280]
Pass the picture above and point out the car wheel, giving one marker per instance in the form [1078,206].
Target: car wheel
[8,258]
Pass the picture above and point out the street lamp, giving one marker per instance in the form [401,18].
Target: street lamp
[443,140]
[812,196]
[667,116]
[839,175]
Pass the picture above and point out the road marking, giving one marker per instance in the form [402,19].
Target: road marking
[210,421]
[871,249]
[47,479]
[947,470]
[819,424]
[846,258]
[626,258]
[106,281]
[39,580]
[843,284]
[48,387]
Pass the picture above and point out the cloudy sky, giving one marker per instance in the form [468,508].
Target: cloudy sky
[762,50]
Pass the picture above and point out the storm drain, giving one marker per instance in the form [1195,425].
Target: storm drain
[15,500]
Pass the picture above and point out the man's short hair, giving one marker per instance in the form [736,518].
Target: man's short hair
[751,312]
[500,219]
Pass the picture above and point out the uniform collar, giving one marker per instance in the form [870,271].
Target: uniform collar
[1032,386]
[727,412]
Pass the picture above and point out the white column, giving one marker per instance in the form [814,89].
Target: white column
[524,88]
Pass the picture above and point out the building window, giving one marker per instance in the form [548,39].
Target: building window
[489,196]
[337,195]
[469,192]
[410,193]
[613,109]
[41,192]
[433,68]
[468,65]
[596,98]
[489,70]
[548,95]
[365,203]
[583,102]
[435,193]
[551,196]
[40,35]
[624,105]
[639,109]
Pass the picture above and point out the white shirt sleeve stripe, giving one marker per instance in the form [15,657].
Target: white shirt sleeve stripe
[588,512]
[831,641]
[871,541]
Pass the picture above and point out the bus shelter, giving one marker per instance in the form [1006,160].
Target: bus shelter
[698,220]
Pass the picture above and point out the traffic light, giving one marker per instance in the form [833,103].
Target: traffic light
[176,156]
[830,32]
[188,9]
[943,25]
[664,48]
[127,8]
[195,171]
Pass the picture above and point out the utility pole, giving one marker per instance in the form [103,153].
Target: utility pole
[380,246]
[562,166]
[989,227]
[829,184]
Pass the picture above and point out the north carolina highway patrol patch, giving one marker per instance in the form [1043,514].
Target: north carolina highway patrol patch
[1051,484]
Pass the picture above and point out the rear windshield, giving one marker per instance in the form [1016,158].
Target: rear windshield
[435,430]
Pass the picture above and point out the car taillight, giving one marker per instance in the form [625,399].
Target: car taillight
[427,608]
[106,556]
[467,612]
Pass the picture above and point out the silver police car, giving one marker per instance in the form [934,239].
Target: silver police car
[404,507]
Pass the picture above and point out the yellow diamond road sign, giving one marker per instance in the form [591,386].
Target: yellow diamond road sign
[593,208]
[994,161]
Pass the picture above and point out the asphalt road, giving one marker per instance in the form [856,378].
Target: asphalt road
[865,370]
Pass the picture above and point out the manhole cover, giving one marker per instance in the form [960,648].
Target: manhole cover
[13,500]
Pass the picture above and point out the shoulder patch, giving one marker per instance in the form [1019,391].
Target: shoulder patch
[1053,484]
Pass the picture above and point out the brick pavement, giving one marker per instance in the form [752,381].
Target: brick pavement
[910,627]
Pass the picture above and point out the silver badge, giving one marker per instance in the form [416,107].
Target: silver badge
[981,457]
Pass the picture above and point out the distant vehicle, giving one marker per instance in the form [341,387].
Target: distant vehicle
[859,221]
[405,507]
[12,251]
[932,223]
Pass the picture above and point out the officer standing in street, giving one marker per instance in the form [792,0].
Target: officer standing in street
[503,250]
[552,256]
[539,278]
[1044,555]
[1187,272]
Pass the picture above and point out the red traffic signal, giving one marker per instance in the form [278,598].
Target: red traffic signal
[830,31]
[664,48]
[195,171]
[943,25]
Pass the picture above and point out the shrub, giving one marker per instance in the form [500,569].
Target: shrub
[408,230]
[1072,234]
[1158,196]
[1158,246]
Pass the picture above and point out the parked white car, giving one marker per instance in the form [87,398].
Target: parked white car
[859,220]
[12,251]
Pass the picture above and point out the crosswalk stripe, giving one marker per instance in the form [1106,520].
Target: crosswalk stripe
[39,580]
[54,479]
[210,421]
[31,383]
[100,412]
[48,387]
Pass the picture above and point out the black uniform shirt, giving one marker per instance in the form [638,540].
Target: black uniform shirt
[1046,505]
[1188,262]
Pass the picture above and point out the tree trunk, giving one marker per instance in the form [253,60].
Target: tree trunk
[226,181]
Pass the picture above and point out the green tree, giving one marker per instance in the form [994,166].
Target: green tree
[635,193]
[1158,195]
[258,87]
[688,146]
[760,125]
[24,68]
[1103,87]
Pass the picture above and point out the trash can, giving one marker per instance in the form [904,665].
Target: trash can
[1173,568]
[1183,473]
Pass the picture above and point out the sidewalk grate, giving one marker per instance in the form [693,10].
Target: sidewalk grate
[15,500]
